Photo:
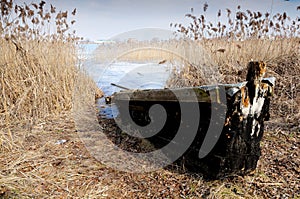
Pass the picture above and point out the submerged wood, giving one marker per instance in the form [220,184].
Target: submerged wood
[238,147]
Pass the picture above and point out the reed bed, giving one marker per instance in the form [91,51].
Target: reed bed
[38,62]
[38,74]
[210,53]
[236,38]
[37,81]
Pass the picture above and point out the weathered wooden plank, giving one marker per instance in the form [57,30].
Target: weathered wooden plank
[203,93]
[167,95]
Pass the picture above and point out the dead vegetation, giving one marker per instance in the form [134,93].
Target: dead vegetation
[237,38]
[43,167]
[211,53]
[38,59]
[40,151]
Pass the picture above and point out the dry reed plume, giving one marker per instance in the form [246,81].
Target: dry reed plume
[246,36]
[38,73]
[209,53]
[37,81]
[38,58]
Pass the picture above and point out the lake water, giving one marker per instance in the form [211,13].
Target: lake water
[132,75]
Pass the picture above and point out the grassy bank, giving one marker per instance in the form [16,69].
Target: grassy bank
[39,66]
[42,156]
[38,73]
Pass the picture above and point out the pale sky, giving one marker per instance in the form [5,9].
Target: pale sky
[104,19]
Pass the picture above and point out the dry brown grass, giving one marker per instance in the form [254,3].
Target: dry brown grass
[37,81]
[38,65]
[42,168]
[236,38]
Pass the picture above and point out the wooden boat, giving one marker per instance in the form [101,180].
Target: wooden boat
[229,121]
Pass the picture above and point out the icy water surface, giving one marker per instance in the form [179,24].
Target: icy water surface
[131,75]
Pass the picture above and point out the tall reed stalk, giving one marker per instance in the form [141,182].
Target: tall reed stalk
[38,60]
